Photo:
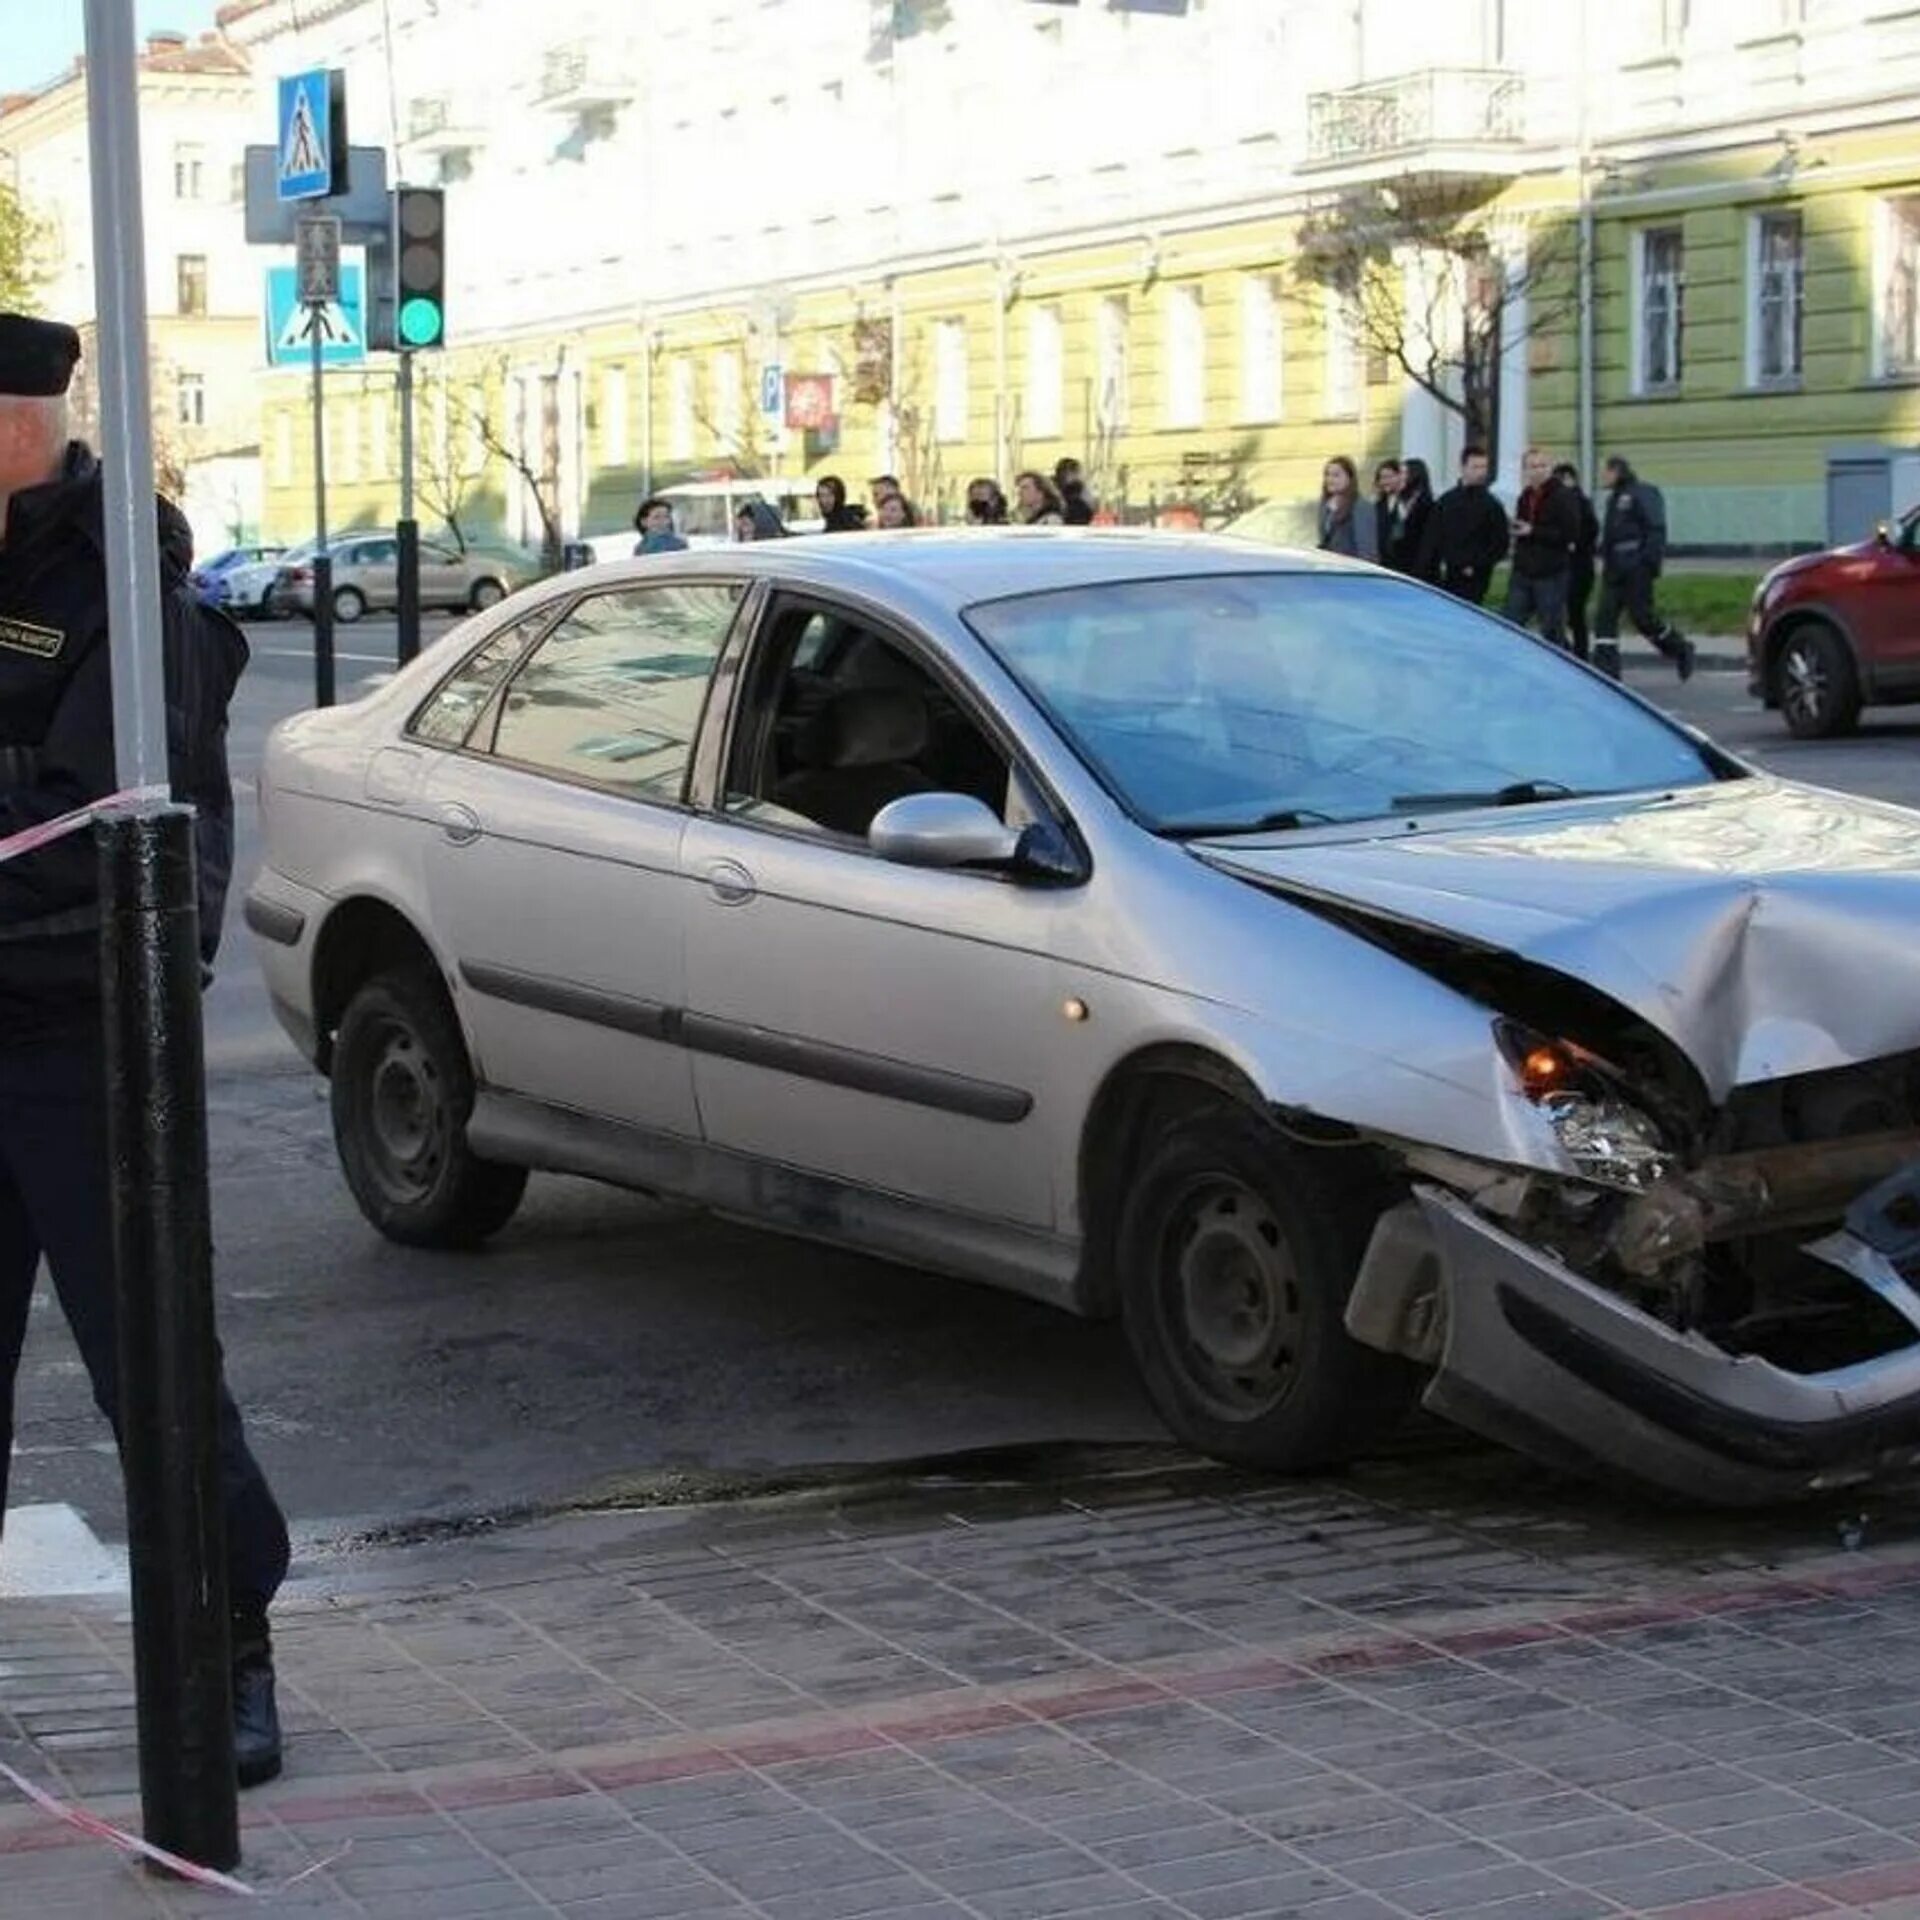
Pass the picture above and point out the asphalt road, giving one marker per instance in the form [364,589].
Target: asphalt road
[602,1340]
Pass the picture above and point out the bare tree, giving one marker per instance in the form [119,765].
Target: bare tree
[1433,290]
[505,441]
[83,413]
[735,433]
[443,477]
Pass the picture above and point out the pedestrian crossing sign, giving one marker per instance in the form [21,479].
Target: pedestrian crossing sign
[310,134]
[341,323]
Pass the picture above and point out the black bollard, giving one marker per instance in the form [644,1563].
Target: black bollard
[407,535]
[323,629]
[169,1363]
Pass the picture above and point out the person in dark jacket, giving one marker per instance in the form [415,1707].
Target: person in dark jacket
[1467,536]
[1545,526]
[1404,532]
[836,515]
[986,504]
[1076,503]
[1037,501]
[1388,478]
[56,757]
[756,520]
[653,522]
[1346,521]
[1633,549]
[1580,573]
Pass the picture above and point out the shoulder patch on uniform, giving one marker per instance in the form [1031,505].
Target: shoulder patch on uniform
[22,636]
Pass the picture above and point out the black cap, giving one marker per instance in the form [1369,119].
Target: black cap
[37,357]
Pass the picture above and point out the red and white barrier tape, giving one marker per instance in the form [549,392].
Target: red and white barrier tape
[30,839]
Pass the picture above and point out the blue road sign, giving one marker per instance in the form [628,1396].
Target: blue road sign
[342,322]
[304,143]
[773,382]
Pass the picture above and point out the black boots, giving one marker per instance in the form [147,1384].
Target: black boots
[256,1715]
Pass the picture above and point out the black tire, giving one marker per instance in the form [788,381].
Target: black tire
[486,593]
[1237,1253]
[1814,681]
[349,604]
[402,1095]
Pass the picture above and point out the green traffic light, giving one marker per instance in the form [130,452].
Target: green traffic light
[420,322]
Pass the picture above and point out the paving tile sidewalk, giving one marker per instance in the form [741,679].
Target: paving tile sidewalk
[1433,1689]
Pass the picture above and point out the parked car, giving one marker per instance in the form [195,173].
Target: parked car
[1356,995]
[1830,633]
[252,586]
[212,579]
[366,578]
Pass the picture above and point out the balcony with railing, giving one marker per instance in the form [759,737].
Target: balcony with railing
[436,125]
[580,77]
[1447,119]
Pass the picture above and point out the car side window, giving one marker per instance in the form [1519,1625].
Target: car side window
[613,695]
[839,720]
[447,717]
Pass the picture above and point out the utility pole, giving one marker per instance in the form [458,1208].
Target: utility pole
[156,1070]
[318,243]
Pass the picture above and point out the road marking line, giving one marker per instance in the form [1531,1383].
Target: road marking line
[50,1552]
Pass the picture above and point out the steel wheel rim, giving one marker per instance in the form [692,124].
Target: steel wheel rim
[1233,1299]
[407,1127]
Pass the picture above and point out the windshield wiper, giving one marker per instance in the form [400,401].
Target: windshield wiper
[1281,820]
[1517,793]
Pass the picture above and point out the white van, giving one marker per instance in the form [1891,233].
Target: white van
[704,510]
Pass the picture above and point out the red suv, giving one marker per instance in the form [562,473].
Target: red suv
[1830,633]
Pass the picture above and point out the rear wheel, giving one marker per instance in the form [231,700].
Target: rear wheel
[349,603]
[402,1096]
[1237,1254]
[1818,691]
[485,594]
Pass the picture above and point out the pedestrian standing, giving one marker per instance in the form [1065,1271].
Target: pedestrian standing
[835,514]
[896,510]
[1633,549]
[653,522]
[1580,573]
[1037,501]
[986,504]
[1388,478]
[1076,503]
[1467,537]
[56,755]
[1346,521]
[1545,527]
[1404,534]
[756,520]
[879,487]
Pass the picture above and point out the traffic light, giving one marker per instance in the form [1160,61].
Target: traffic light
[420,276]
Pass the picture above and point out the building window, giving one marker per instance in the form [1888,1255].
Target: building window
[1259,348]
[1111,370]
[1777,303]
[190,276]
[1186,393]
[1897,301]
[680,409]
[1662,308]
[237,185]
[950,380]
[379,438]
[1341,390]
[613,417]
[1046,368]
[723,398]
[190,400]
[189,173]
[283,449]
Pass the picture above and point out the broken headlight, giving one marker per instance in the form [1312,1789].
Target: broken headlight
[1604,1133]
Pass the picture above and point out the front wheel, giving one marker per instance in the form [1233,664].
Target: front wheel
[1818,691]
[1237,1254]
[349,603]
[485,594]
[402,1096]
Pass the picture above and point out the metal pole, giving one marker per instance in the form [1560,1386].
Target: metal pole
[1587,434]
[322,559]
[407,532]
[156,1082]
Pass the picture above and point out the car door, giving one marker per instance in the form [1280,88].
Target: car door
[893,1027]
[374,567]
[553,859]
[444,577]
[1881,602]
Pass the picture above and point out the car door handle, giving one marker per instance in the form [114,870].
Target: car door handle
[459,823]
[730,883]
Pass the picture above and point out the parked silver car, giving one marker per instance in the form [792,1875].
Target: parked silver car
[1357,996]
[366,577]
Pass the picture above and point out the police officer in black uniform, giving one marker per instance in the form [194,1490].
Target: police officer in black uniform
[56,755]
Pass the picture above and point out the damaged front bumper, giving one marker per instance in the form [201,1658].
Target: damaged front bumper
[1529,1353]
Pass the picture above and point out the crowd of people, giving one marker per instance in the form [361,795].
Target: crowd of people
[1557,542]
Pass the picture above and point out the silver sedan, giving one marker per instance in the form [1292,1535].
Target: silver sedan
[1358,997]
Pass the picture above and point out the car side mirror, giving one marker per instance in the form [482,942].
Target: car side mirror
[943,830]
[1883,534]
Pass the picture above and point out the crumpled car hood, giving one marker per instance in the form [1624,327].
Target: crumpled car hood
[1767,929]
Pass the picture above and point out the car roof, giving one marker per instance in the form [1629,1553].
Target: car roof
[959,568]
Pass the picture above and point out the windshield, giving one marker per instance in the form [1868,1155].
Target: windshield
[1279,700]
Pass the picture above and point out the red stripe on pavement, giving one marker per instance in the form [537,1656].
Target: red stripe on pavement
[1762,1903]
[1864,1885]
